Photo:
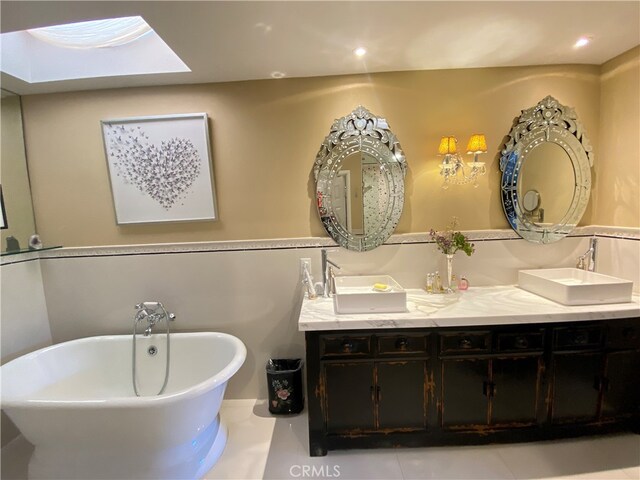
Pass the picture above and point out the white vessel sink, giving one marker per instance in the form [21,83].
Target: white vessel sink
[572,286]
[355,294]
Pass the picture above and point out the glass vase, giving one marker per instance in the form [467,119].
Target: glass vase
[449,272]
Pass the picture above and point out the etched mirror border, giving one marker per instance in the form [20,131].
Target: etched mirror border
[548,121]
[360,131]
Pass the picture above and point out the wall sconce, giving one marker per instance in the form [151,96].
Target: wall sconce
[454,169]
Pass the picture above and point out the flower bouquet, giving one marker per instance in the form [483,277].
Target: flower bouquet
[449,242]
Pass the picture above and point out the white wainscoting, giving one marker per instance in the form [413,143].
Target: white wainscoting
[251,289]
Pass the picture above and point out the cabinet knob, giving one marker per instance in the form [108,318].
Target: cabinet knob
[629,333]
[465,343]
[402,343]
[521,342]
[579,338]
[347,346]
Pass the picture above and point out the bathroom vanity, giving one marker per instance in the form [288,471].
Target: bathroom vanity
[492,364]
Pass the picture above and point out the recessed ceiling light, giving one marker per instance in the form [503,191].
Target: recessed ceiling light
[278,74]
[360,51]
[582,41]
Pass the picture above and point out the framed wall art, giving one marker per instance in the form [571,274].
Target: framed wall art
[160,168]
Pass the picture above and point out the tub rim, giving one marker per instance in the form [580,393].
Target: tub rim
[136,402]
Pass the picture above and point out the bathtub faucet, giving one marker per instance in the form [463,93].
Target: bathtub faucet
[153,313]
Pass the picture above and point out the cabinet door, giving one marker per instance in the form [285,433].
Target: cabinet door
[516,390]
[349,393]
[576,387]
[463,395]
[401,394]
[621,385]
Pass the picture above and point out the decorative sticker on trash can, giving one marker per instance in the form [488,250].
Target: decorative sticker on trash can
[283,391]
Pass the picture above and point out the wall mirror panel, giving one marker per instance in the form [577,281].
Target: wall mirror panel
[17,209]
[359,172]
[546,172]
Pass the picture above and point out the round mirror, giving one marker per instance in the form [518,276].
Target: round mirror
[546,176]
[359,174]
[530,201]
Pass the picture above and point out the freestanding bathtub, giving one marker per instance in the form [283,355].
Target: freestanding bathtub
[75,402]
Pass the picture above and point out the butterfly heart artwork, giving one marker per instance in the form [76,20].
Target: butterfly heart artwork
[165,172]
[163,165]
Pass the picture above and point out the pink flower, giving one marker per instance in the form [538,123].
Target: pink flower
[283,394]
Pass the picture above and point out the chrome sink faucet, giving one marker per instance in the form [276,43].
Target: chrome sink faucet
[587,261]
[328,277]
[153,313]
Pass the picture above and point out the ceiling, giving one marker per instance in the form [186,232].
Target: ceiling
[238,40]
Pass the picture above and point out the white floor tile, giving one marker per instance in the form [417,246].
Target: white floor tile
[596,457]
[482,462]
[347,465]
[289,458]
[248,443]
[261,446]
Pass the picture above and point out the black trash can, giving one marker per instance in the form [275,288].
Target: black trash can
[284,382]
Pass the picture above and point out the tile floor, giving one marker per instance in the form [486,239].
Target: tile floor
[263,447]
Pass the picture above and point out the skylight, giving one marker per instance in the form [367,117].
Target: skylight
[95,34]
[98,48]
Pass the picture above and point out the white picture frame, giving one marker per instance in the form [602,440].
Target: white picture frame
[3,213]
[160,168]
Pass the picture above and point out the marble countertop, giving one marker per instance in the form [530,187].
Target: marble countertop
[478,306]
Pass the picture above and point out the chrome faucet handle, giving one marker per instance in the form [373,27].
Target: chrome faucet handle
[333,264]
[326,260]
[172,316]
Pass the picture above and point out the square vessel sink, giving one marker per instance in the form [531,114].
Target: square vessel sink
[572,286]
[355,294]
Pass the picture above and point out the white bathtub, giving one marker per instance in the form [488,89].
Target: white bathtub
[75,402]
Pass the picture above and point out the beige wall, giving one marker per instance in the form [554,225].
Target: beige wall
[617,169]
[13,175]
[266,134]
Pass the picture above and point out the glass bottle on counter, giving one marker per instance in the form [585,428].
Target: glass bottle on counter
[429,286]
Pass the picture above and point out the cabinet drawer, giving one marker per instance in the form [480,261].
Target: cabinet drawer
[624,335]
[456,343]
[576,338]
[519,342]
[403,344]
[348,345]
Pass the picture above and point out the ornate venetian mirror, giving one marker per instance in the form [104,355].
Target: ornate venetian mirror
[359,173]
[546,172]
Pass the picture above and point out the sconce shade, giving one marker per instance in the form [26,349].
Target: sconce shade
[447,145]
[477,144]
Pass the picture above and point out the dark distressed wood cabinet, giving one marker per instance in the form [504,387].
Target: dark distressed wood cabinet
[438,386]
